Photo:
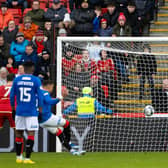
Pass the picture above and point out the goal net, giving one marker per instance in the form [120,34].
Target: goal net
[106,84]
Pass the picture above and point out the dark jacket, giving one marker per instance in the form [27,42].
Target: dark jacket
[111,19]
[4,54]
[44,67]
[122,31]
[37,17]
[146,65]
[50,14]
[10,36]
[32,57]
[83,21]
[105,32]
[160,101]
[132,19]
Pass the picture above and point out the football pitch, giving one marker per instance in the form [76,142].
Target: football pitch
[90,160]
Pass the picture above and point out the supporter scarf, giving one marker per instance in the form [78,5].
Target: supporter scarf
[40,46]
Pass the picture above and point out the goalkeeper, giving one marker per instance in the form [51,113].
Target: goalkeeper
[87,106]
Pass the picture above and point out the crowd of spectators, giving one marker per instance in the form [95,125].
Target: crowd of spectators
[31,39]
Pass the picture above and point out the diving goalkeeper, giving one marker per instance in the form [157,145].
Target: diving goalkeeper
[54,124]
[87,106]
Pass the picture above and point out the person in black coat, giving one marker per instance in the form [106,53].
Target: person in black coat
[146,68]
[133,19]
[44,65]
[160,98]
[9,33]
[83,18]
[112,14]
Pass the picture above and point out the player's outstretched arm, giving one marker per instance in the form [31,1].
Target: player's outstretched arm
[70,109]
[101,109]
[49,100]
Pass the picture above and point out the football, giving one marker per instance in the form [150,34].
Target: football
[149,110]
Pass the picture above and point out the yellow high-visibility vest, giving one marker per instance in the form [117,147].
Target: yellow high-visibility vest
[85,105]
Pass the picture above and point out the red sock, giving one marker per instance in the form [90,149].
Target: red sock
[66,124]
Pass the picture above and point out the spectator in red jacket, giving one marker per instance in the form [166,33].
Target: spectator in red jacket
[106,64]
[11,66]
[68,62]
[108,73]
[89,64]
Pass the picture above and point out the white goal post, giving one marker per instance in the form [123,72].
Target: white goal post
[128,99]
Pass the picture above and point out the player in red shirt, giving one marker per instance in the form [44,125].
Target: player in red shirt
[5,107]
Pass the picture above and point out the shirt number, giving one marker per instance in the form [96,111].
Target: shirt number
[7,88]
[25,95]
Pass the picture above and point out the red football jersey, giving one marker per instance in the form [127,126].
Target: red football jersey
[5,106]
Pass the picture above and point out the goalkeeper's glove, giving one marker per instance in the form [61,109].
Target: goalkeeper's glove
[13,114]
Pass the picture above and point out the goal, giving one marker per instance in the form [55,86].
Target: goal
[125,75]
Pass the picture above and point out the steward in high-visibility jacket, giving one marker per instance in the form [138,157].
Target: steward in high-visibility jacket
[87,106]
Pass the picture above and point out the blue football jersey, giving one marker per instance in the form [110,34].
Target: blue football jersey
[46,107]
[26,89]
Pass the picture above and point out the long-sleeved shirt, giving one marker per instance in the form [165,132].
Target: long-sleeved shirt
[47,104]
[99,108]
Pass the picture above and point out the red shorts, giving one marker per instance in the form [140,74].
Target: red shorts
[7,116]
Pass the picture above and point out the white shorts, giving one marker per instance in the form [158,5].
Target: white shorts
[53,123]
[26,123]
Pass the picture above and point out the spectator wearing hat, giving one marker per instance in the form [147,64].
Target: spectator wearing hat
[36,14]
[39,42]
[83,18]
[4,51]
[17,3]
[56,13]
[44,65]
[122,28]
[112,14]
[18,47]
[67,24]
[5,16]
[62,32]
[10,32]
[133,19]
[28,28]
[87,106]
[105,30]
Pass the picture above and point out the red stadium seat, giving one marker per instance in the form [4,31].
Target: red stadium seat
[43,4]
[26,10]
[104,10]
[17,14]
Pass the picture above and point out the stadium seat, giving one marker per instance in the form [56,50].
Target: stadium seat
[104,10]
[43,4]
[26,10]
[17,14]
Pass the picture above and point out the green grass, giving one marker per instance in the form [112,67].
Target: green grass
[90,160]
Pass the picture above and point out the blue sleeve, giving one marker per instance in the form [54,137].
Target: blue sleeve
[22,48]
[70,109]
[39,93]
[13,49]
[101,109]
[50,100]
[12,94]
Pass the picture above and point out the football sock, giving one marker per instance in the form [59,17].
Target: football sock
[29,146]
[18,144]
[67,131]
[63,140]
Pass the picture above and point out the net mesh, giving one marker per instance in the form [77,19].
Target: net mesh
[125,77]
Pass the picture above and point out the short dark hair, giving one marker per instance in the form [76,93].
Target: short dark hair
[47,82]
[28,66]
[10,77]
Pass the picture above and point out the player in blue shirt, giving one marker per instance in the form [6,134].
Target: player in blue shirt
[55,124]
[25,90]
